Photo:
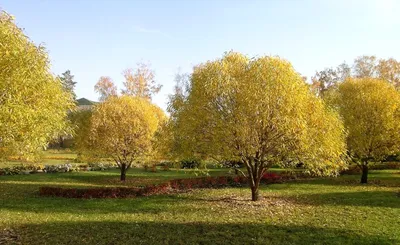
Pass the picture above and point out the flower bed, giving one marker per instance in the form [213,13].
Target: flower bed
[89,192]
[176,184]
[270,177]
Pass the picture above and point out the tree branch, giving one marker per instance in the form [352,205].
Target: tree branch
[240,171]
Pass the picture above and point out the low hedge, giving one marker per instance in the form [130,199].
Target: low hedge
[88,192]
[176,184]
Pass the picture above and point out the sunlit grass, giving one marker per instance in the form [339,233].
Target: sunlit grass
[323,211]
[50,157]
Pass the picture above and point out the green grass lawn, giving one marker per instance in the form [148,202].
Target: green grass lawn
[320,211]
[50,157]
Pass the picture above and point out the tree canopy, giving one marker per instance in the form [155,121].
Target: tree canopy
[363,67]
[106,88]
[258,111]
[33,104]
[81,120]
[140,82]
[68,83]
[123,128]
[370,109]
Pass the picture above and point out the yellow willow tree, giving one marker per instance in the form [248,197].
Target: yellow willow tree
[33,104]
[81,119]
[123,128]
[258,111]
[370,109]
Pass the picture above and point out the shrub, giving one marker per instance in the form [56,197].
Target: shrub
[61,168]
[190,163]
[176,184]
[168,164]
[34,167]
[392,158]
[270,178]
[385,165]
[25,168]
[150,167]
[83,167]
[234,164]
[165,167]
[89,192]
[207,182]
[154,189]
[12,171]
[101,166]
[238,181]
[181,184]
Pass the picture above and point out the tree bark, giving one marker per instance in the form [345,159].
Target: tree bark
[123,172]
[364,176]
[254,193]
[255,173]
[61,139]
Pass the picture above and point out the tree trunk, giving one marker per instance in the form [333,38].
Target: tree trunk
[61,142]
[255,173]
[123,172]
[254,194]
[364,176]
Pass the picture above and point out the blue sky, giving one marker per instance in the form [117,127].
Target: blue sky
[102,38]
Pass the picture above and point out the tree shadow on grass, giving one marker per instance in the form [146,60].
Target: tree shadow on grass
[21,198]
[350,182]
[376,178]
[80,180]
[32,202]
[135,177]
[385,199]
[389,199]
[110,232]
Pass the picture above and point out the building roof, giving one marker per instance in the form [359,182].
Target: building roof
[84,101]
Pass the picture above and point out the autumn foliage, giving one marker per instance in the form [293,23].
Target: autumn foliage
[370,109]
[123,128]
[33,103]
[257,111]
